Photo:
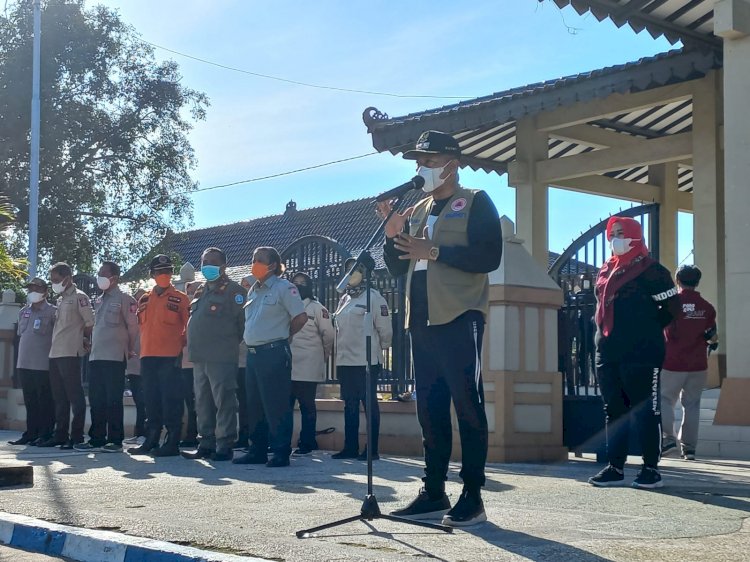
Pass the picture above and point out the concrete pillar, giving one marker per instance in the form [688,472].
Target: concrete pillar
[665,177]
[708,207]
[532,197]
[732,23]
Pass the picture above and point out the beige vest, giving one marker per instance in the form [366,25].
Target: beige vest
[451,292]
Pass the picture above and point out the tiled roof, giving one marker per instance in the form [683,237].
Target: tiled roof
[678,20]
[350,223]
[486,127]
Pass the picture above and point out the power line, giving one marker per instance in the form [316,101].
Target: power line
[297,82]
[290,172]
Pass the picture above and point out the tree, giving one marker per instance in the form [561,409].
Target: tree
[12,271]
[115,159]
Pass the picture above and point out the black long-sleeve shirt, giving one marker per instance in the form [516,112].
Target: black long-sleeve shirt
[482,255]
[643,307]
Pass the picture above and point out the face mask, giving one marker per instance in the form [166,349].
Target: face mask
[431,177]
[211,272]
[163,280]
[103,282]
[621,246]
[34,297]
[355,279]
[260,270]
[58,288]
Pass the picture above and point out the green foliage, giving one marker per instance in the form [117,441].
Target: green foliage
[113,134]
[12,271]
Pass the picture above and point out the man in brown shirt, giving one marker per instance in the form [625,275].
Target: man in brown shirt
[71,340]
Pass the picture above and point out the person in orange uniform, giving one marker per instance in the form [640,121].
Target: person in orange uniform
[162,315]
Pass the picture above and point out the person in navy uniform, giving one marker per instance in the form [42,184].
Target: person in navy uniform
[446,245]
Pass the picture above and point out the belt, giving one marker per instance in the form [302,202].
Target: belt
[270,345]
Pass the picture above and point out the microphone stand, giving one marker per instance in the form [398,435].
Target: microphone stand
[370,509]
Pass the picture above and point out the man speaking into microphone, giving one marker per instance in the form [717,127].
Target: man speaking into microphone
[446,245]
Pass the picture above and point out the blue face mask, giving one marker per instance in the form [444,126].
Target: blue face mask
[211,272]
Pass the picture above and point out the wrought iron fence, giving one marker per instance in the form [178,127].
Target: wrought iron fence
[323,260]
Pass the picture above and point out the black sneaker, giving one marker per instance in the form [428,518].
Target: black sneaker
[88,447]
[469,510]
[222,455]
[667,447]
[363,456]
[608,476]
[688,455]
[425,508]
[345,455]
[301,452]
[277,461]
[648,478]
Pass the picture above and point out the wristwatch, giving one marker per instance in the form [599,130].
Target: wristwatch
[434,253]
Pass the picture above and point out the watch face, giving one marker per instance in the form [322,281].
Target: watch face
[434,253]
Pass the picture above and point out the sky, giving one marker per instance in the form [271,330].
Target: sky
[257,127]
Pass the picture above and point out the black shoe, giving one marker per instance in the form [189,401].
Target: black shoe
[37,442]
[189,443]
[199,453]
[301,452]
[251,458]
[688,455]
[469,510]
[151,443]
[667,447]
[608,476]
[70,445]
[22,441]
[648,478]
[345,454]
[363,456]
[241,444]
[166,450]
[222,455]
[424,508]
[278,460]
[51,442]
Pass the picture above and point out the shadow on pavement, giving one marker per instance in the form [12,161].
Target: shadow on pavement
[530,547]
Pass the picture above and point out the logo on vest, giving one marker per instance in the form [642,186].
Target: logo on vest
[459,204]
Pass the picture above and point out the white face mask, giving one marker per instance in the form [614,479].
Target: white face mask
[103,283]
[431,177]
[58,288]
[621,246]
[33,297]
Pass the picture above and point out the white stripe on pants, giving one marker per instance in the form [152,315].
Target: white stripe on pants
[688,387]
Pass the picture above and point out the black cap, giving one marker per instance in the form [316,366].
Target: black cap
[161,262]
[434,142]
[36,282]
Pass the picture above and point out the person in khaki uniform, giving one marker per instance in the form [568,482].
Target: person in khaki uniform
[215,328]
[35,323]
[187,384]
[113,342]
[311,348]
[351,358]
[71,340]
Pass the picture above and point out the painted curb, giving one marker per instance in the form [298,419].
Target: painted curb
[87,545]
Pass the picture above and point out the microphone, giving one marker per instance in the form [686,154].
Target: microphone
[414,183]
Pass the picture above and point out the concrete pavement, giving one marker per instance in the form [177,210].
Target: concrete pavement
[536,512]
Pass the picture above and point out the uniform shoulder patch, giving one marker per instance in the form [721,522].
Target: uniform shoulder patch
[293,290]
[325,312]
[459,204]
[383,310]
[83,302]
[239,299]
[133,308]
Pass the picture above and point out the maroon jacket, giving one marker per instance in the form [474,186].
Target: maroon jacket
[686,344]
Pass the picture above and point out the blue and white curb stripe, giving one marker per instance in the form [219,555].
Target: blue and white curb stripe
[86,545]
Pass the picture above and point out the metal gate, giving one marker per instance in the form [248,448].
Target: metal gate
[323,260]
[575,272]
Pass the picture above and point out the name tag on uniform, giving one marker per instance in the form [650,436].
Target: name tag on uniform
[37,323]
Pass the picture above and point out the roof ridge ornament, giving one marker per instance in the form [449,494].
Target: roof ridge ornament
[371,115]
